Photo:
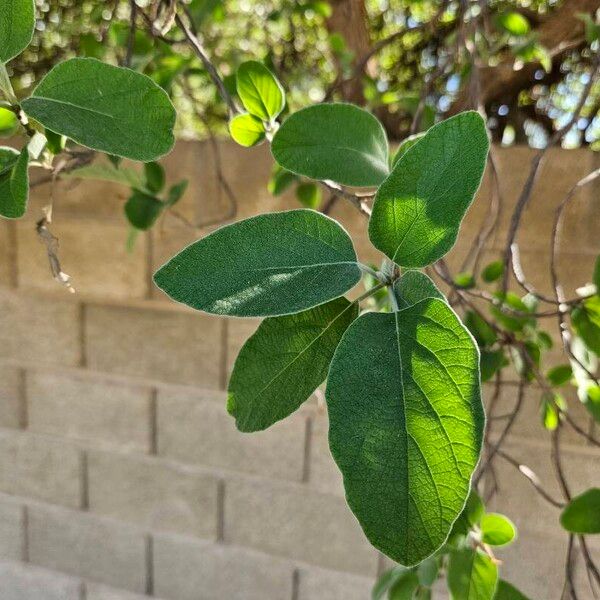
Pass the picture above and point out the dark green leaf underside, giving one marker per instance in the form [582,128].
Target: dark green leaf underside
[272,264]
[406,424]
[337,142]
[112,109]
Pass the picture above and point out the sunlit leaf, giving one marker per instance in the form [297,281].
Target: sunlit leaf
[497,530]
[419,207]
[472,575]
[406,422]
[247,130]
[259,90]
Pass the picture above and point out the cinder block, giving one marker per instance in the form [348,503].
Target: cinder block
[319,584]
[168,345]
[190,570]
[152,494]
[293,521]
[19,581]
[12,531]
[10,397]
[86,408]
[5,253]
[79,544]
[39,468]
[528,425]
[35,329]
[324,474]
[195,427]
[95,591]
[94,254]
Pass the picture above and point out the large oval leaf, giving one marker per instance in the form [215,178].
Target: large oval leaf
[419,207]
[472,575]
[582,514]
[336,142]
[17,21]
[406,424]
[283,363]
[112,109]
[14,182]
[273,264]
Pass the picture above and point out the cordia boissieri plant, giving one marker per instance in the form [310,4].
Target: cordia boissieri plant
[403,382]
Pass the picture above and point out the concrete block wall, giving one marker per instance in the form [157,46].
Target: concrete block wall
[121,474]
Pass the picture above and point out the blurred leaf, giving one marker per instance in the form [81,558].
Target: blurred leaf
[506,591]
[8,122]
[493,271]
[280,181]
[309,194]
[582,514]
[491,361]
[514,23]
[559,375]
[470,516]
[14,182]
[105,172]
[142,210]
[586,323]
[55,143]
[497,530]
[483,333]
[176,192]
[464,281]
[154,175]
[404,587]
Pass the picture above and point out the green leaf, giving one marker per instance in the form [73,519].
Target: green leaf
[283,363]
[8,122]
[493,271]
[247,130]
[56,143]
[404,587]
[413,287]
[17,22]
[176,192]
[481,330]
[14,182]
[280,181]
[514,23]
[386,581]
[592,29]
[268,265]
[336,142]
[112,109]
[470,515]
[419,207]
[406,144]
[586,323]
[506,591]
[464,281]
[560,374]
[490,362]
[309,195]
[259,90]
[550,410]
[154,175]
[405,424]
[472,575]
[497,530]
[428,571]
[142,210]
[582,514]
[107,172]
